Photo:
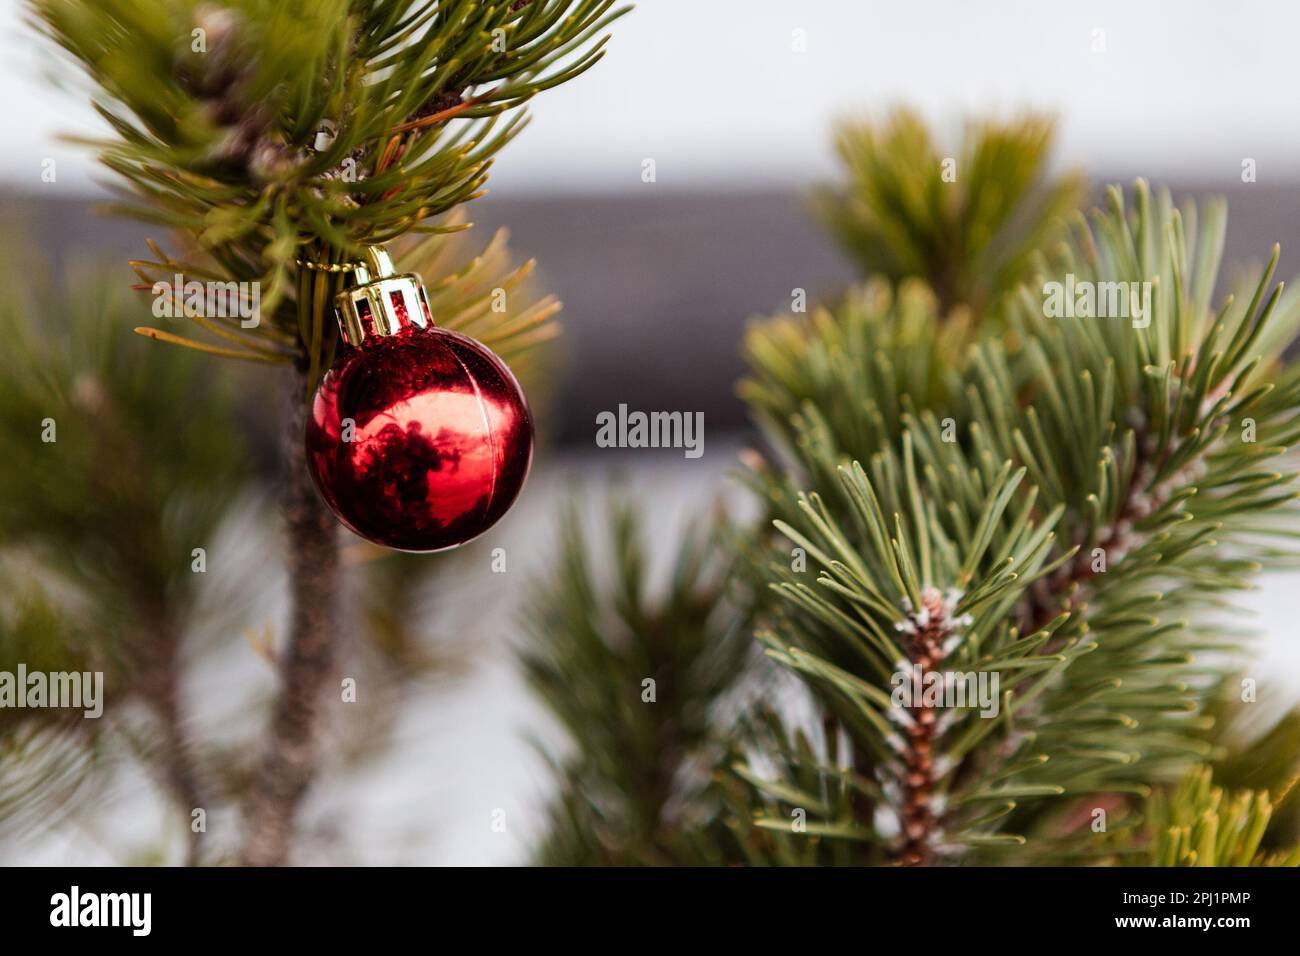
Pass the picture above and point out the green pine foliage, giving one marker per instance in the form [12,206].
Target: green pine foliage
[1081,533]
[970,223]
[1069,503]
[1259,751]
[1200,824]
[129,462]
[127,452]
[637,677]
[268,132]
[890,345]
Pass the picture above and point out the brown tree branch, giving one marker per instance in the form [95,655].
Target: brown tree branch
[1072,578]
[289,761]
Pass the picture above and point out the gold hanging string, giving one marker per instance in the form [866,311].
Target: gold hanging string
[329,266]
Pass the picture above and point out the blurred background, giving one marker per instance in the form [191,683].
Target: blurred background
[733,102]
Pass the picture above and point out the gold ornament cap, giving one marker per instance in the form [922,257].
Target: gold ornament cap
[380,302]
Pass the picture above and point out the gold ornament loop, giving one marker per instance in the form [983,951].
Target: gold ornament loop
[329,266]
[381,302]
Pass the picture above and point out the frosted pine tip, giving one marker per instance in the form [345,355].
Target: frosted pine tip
[936,613]
[933,605]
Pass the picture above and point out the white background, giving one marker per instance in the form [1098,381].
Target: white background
[713,92]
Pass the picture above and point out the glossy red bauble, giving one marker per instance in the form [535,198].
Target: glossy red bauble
[419,439]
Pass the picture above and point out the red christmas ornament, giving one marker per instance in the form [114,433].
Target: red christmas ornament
[419,438]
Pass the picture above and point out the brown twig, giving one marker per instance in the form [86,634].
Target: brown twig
[422,122]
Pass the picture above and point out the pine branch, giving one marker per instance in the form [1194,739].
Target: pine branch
[1122,438]
[291,752]
[262,133]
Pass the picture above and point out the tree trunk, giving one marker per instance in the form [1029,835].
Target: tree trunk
[289,760]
